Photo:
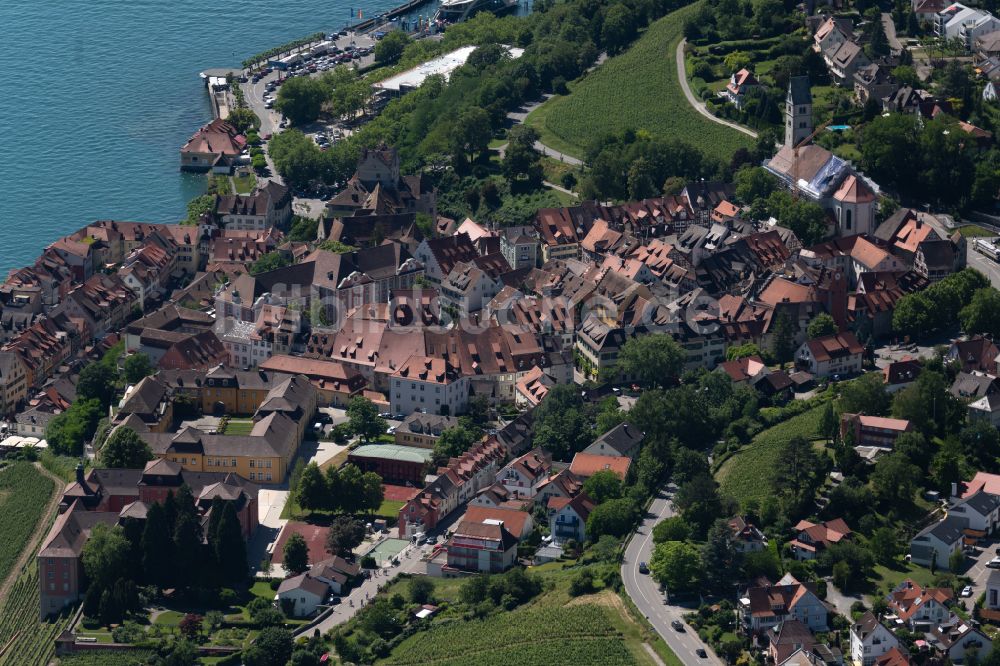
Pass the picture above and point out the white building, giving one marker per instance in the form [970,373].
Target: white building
[303,592]
[870,640]
[428,385]
[936,543]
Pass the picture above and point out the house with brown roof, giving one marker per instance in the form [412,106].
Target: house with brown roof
[267,206]
[568,519]
[440,255]
[452,485]
[423,430]
[876,432]
[747,537]
[585,465]
[843,61]
[918,607]
[214,147]
[839,353]
[481,546]
[761,607]
[428,384]
[785,638]
[742,85]
[105,302]
[303,593]
[335,385]
[978,353]
[744,371]
[524,475]
[899,374]
[812,538]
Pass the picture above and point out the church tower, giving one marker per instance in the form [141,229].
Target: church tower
[798,111]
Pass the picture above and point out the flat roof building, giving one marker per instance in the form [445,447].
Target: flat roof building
[443,65]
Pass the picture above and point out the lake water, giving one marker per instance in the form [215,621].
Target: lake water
[101,95]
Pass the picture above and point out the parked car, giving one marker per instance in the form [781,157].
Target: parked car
[432,540]
[333,601]
[967,591]
[994,563]
[677,625]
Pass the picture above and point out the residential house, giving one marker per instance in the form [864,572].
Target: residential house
[813,538]
[964,24]
[303,593]
[623,440]
[836,354]
[844,62]
[831,34]
[570,518]
[873,82]
[870,640]
[744,371]
[899,374]
[747,537]
[786,638]
[936,543]
[873,431]
[428,385]
[519,246]
[985,409]
[976,353]
[523,476]
[585,465]
[440,256]
[958,640]
[423,430]
[741,86]
[761,607]
[981,511]
[920,608]
[518,522]
[13,383]
[214,146]
[482,547]
[267,206]
[335,385]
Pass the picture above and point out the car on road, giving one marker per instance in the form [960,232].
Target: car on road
[994,563]
[432,540]
[643,568]
[677,625]
[701,653]
[967,591]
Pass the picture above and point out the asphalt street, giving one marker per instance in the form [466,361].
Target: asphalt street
[646,595]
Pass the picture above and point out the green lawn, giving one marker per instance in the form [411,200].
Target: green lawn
[636,90]
[748,473]
[238,427]
[974,231]
[389,509]
[244,184]
[169,618]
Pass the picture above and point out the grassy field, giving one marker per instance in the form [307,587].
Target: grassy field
[638,89]
[108,658]
[748,473]
[244,184]
[389,509]
[24,492]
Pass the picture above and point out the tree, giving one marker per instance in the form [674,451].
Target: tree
[230,548]
[736,61]
[614,517]
[190,626]
[345,535]
[295,554]
[105,556]
[783,339]
[125,449]
[312,491]
[521,162]
[371,493]
[864,395]
[157,547]
[982,315]
[720,560]
[654,360]
[674,528]
[243,119]
[97,382]
[618,27]
[363,417]
[894,479]
[452,443]
[273,647]
[699,503]
[471,133]
[199,210]
[138,366]
[828,422]
[677,565]
[822,324]
[603,485]
[885,546]
[300,99]
[269,262]
[187,549]
[742,351]
[878,43]
[421,590]
[390,48]
[928,404]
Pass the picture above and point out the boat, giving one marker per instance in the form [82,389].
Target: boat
[456,11]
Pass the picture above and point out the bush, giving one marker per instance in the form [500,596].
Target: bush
[703,70]
[582,583]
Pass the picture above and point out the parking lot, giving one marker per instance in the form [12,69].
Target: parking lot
[979,572]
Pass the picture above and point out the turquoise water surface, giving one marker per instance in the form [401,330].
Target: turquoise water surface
[100,95]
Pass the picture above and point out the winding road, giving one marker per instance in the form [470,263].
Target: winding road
[698,104]
[646,595]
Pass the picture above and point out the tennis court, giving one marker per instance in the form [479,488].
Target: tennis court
[387,549]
